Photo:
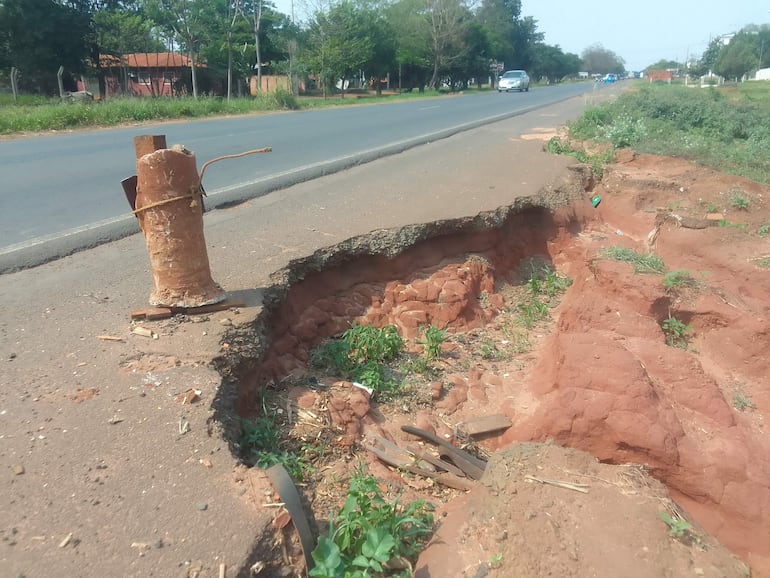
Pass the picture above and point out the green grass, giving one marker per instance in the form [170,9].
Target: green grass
[642,263]
[596,161]
[679,279]
[36,113]
[260,446]
[728,129]
[360,354]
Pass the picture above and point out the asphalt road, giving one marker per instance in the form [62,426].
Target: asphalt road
[61,192]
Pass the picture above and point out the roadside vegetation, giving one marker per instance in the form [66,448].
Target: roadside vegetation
[725,128]
[39,114]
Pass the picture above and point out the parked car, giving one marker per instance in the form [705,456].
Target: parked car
[513,80]
[610,78]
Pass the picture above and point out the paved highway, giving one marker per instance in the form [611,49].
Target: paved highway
[61,192]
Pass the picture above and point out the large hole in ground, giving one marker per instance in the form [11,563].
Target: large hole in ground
[594,373]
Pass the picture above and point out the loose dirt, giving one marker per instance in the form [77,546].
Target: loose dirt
[630,428]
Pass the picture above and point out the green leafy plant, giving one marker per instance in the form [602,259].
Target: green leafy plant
[742,402]
[711,208]
[531,312]
[764,262]
[677,333]
[738,201]
[496,560]
[432,340]
[360,354]
[679,279]
[642,263]
[489,351]
[260,446]
[764,230]
[370,533]
[677,528]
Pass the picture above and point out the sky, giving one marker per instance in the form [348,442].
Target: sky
[641,34]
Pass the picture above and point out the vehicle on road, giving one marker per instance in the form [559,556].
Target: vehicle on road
[610,78]
[513,80]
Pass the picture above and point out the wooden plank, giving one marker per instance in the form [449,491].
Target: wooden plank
[151,313]
[486,424]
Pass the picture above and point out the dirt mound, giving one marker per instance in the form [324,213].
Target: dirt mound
[666,372]
[545,510]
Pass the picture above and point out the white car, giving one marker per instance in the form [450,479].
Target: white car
[513,80]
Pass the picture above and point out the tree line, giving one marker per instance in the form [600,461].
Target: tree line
[733,57]
[413,43]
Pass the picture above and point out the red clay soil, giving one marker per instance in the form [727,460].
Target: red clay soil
[599,378]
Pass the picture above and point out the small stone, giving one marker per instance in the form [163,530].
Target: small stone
[698,571]
[502,536]
[226,322]
[240,491]
[530,514]
[203,506]
[18,470]
[158,544]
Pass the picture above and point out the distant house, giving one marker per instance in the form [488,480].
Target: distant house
[143,74]
[659,76]
[762,74]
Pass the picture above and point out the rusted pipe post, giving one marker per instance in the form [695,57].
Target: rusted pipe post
[169,208]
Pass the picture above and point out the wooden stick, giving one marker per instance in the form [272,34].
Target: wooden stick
[583,488]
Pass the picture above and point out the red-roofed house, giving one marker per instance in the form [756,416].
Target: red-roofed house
[145,73]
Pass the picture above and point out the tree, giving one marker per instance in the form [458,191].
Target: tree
[337,47]
[413,51]
[599,60]
[551,63]
[664,64]
[738,57]
[447,22]
[38,36]
[188,21]
[499,18]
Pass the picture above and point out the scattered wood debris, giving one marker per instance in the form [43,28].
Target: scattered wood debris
[486,424]
[144,332]
[157,313]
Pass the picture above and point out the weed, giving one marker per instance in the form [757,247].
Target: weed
[738,201]
[432,340]
[531,312]
[677,333]
[728,134]
[369,531]
[711,208]
[360,354]
[496,560]
[679,279]
[764,262]
[596,161]
[742,402]
[677,528]
[727,224]
[489,351]
[260,442]
[764,230]
[642,263]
